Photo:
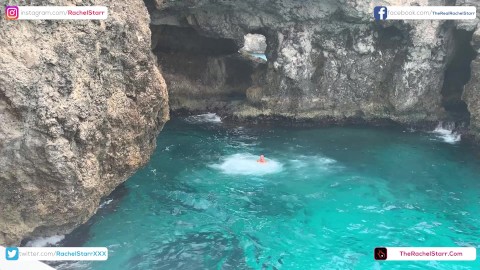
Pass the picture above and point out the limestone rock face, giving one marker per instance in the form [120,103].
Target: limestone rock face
[254,43]
[326,59]
[81,103]
[471,94]
[472,90]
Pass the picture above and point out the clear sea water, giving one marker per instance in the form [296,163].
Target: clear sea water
[324,200]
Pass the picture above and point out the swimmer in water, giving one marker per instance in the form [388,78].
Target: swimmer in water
[262,159]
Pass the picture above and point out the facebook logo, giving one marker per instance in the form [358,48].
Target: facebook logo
[380,13]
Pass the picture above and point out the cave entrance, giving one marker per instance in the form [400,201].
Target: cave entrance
[205,73]
[457,75]
[255,45]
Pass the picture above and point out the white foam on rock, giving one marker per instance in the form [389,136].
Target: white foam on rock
[45,241]
[447,134]
[204,118]
[105,203]
[246,164]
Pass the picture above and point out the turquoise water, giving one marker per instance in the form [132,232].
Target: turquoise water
[260,55]
[326,198]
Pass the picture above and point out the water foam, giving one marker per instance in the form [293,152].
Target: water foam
[105,203]
[204,118]
[246,164]
[319,162]
[447,134]
[45,241]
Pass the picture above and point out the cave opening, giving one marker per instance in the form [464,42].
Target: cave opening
[255,45]
[391,37]
[176,39]
[205,72]
[457,75]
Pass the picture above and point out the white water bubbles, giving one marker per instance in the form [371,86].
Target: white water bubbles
[246,164]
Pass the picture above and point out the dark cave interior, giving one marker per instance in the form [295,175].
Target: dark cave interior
[204,68]
[457,75]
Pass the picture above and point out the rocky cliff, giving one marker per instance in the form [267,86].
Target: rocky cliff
[81,103]
[472,89]
[327,61]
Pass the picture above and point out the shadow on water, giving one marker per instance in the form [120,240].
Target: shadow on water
[82,234]
[202,250]
[110,204]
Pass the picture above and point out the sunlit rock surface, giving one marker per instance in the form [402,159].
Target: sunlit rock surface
[81,103]
[254,43]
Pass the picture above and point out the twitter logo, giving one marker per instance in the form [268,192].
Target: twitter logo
[11,253]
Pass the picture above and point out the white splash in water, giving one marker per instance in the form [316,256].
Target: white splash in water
[204,118]
[45,241]
[246,164]
[447,134]
[105,203]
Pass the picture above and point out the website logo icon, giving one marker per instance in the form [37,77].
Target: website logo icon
[380,13]
[380,254]
[11,253]
[11,13]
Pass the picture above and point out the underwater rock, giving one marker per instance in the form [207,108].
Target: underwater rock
[189,252]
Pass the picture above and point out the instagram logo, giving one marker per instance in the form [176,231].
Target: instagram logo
[11,12]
